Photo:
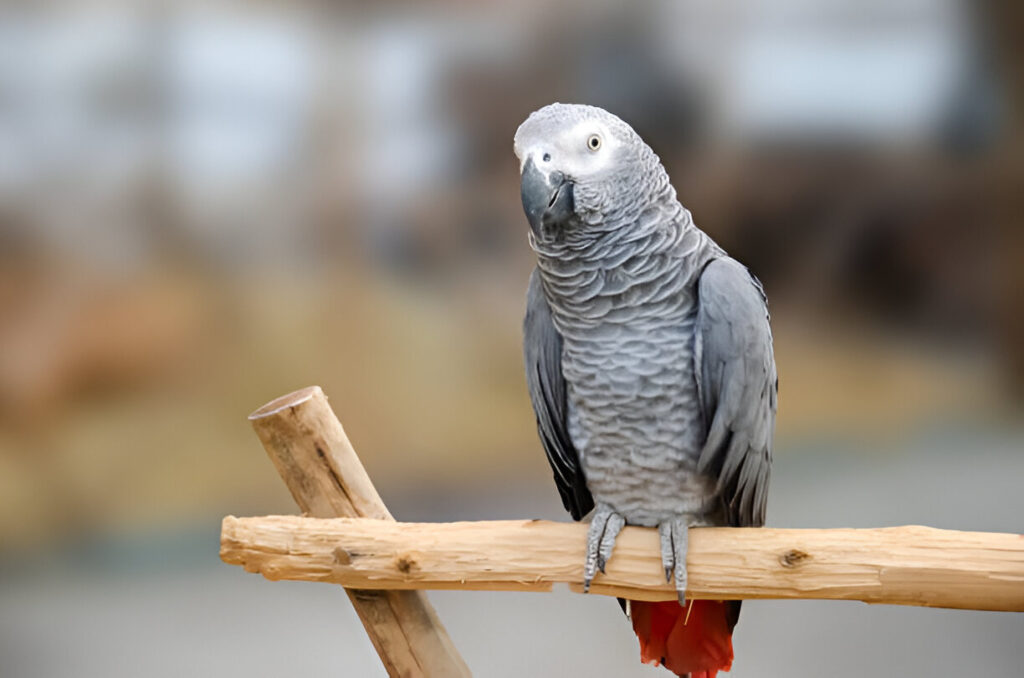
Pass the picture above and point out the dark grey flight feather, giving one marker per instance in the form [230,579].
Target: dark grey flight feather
[542,350]
[738,387]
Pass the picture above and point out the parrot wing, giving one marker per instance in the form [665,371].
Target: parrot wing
[542,351]
[738,387]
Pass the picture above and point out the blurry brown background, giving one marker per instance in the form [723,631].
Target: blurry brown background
[204,206]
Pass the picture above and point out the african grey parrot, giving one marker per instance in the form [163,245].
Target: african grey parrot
[649,364]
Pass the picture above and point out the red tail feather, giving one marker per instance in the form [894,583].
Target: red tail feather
[695,639]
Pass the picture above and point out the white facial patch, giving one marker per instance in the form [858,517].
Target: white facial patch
[567,151]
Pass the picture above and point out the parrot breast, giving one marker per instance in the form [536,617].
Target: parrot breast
[626,313]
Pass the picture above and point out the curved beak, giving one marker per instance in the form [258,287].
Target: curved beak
[547,199]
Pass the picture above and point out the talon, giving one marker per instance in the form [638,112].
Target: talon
[674,535]
[604,527]
[611,531]
[668,558]
[680,543]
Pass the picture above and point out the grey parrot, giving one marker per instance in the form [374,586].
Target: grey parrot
[649,364]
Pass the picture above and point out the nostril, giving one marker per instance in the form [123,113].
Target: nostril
[546,157]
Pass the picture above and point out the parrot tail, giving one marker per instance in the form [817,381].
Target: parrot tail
[695,639]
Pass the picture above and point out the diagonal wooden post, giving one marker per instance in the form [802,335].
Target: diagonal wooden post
[310,450]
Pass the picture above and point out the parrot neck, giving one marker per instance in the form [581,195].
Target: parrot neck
[587,275]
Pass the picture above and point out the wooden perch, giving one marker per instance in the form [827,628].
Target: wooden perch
[349,537]
[310,450]
[897,565]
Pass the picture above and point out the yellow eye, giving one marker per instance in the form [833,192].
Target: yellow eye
[594,142]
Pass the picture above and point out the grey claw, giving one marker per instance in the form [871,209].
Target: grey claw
[680,544]
[604,527]
[667,553]
[611,531]
[674,535]
[594,534]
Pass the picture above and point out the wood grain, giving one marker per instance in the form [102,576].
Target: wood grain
[310,450]
[899,565]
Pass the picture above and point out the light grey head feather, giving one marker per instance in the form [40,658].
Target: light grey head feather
[612,182]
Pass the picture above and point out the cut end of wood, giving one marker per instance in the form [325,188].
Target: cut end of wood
[228,544]
[290,400]
[309,448]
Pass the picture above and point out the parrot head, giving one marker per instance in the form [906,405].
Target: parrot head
[583,169]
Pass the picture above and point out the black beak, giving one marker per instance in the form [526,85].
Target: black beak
[547,200]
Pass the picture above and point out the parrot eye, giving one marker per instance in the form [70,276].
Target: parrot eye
[594,142]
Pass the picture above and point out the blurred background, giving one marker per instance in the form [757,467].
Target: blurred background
[206,205]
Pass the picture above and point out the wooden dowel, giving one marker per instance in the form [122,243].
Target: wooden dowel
[898,565]
[310,450]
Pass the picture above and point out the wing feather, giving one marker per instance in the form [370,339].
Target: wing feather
[542,352]
[738,387]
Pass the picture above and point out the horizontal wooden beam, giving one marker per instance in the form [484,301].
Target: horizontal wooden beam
[897,565]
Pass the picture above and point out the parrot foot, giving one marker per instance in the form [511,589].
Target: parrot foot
[604,528]
[674,535]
